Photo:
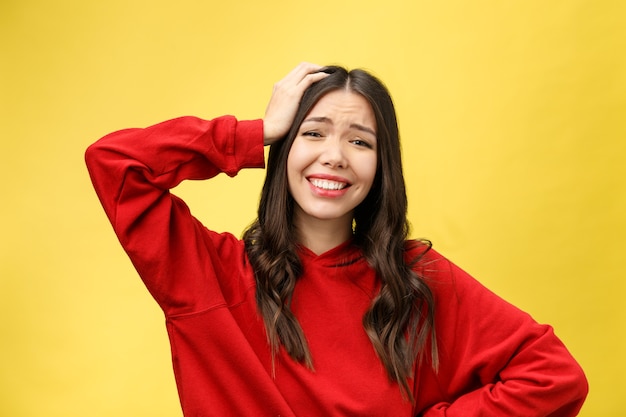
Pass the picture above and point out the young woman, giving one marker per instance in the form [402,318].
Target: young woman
[324,308]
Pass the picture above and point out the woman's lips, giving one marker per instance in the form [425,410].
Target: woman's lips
[328,186]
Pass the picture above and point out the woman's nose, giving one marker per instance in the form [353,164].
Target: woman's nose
[333,154]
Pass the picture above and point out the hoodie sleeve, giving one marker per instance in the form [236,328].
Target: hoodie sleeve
[133,171]
[495,360]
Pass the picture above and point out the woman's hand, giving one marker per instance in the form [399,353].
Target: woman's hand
[283,105]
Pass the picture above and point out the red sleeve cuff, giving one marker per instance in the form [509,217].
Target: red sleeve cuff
[249,144]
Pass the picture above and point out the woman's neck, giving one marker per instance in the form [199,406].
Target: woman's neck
[319,235]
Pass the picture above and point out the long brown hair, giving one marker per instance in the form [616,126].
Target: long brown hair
[400,320]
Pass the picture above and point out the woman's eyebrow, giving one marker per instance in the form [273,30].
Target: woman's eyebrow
[356,126]
[363,128]
[318,119]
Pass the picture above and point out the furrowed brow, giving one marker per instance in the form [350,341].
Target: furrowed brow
[363,128]
[318,119]
[356,126]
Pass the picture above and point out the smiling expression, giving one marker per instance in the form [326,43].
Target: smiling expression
[332,163]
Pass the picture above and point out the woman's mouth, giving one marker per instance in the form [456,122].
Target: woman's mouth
[328,184]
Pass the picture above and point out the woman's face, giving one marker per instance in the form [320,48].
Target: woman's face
[332,163]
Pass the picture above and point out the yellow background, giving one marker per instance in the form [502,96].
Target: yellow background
[512,115]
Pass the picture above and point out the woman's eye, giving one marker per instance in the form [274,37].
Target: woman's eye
[312,134]
[360,142]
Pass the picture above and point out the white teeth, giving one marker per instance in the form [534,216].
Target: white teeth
[327,185]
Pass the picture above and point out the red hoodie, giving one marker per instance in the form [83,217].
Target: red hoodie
[495,360]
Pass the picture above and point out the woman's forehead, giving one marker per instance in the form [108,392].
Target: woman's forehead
[342,106]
